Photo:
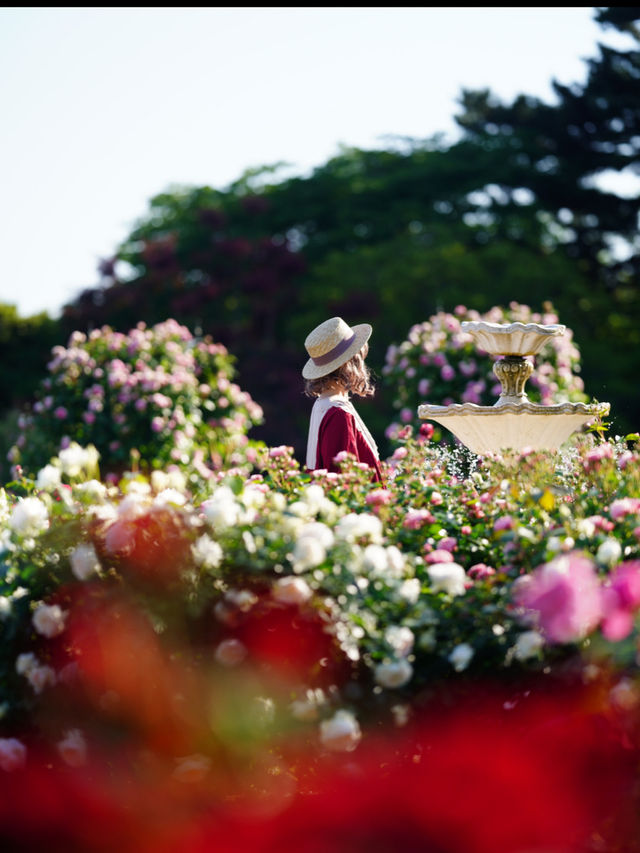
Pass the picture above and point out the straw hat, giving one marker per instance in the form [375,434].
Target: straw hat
[332,344]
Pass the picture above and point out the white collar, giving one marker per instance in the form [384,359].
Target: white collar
[321,406]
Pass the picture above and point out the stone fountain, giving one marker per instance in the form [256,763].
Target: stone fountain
[513,422]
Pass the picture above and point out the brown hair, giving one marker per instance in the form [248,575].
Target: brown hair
[353,376]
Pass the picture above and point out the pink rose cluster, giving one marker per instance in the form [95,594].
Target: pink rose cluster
[159,391]
[567,600]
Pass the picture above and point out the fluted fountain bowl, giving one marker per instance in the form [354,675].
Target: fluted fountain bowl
[511,338]
[513,423]
[513,426]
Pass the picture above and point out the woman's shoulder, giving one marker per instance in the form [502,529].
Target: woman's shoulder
[338,410]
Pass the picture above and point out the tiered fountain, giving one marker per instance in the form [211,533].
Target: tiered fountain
[513,422]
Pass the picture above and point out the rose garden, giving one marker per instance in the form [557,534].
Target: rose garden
[206,647]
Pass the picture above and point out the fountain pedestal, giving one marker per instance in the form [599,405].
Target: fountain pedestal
[513,422]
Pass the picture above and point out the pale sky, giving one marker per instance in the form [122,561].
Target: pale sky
[102,108]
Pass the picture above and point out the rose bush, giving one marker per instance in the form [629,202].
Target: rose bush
[438,363]
[156,396]
[236,635]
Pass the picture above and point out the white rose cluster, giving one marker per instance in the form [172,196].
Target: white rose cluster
[393,674]
[221,510]
[340,733]
[30,517]
[38,675]
[447,577]
[207,553]
[84,561]
[75,460]
[359,525]
[49,620]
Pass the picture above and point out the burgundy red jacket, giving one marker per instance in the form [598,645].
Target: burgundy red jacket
[336,426]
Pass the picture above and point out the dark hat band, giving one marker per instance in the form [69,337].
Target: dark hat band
[340,348]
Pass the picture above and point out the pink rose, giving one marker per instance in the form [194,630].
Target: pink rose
[563,596]
[415,518]
[439,556]
[447,373]
[619,601]
[378,497]
[479,571]
[624,506]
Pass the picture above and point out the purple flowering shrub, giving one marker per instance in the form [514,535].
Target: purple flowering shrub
[438,363]
[157,396]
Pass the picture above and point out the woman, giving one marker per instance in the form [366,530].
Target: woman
[336,369]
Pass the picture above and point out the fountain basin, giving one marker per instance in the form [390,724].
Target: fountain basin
[511,339]
[513,426]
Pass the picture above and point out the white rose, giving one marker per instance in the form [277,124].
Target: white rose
[393,674]
[221,510]
[243,599]
[528,645]
[84,561]
[171,497]
[290,590]
[395,561]
[230,653]
[41,676]
[314,497]
[306,708]
[278,501]
[49,619]
[375,559]
[136,486]
[359,525]
[48,477]
[400,638]
[448,577]
[13,754]
[586,528]
[73,748]
[206,552]
[253,497]
[25,662]
[132,506]
[74,458]
[319,531]
[409,590]
[609,552]
[307,553]
[341,733]
[461,656]
[93,489]
[29,517]
[300,509]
